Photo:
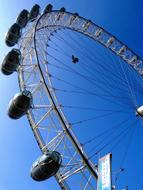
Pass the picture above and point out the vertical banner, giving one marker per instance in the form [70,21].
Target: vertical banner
[104,173]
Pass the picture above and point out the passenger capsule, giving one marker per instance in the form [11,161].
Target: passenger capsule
[76,14]
[11,62]
[46,166]
[34,12]
[63,9]
[48,9]
[13,35]
[20,104]
[22,18]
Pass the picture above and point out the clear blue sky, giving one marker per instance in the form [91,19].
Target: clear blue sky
[17,145]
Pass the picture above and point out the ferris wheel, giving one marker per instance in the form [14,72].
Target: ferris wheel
[80,88]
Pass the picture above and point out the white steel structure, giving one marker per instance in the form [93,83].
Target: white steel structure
[49,123]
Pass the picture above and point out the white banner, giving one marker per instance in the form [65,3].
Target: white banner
[104,173]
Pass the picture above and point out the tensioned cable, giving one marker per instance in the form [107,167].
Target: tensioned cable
[93,61]
[105,132]
[77,73]
[107,136]
[130,89]
[119,141]
[62,68]
[121,135]
[138,180]
[87,108]
[85,93]
[89,57]
[125,153]
[98,81]
[91,93]
[65,69]
[77,42]
[89,49]
[96,117]
[81,44]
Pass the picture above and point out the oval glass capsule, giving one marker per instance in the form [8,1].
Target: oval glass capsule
[22,18]
[11,62]
[13,35]
[46,166]
[20,104]
[34,12]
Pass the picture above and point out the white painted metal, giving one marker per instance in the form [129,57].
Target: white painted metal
[50,126]
[139,111]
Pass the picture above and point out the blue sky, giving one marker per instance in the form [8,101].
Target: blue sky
[17,144]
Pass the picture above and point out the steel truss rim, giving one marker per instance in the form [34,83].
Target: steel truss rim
[73,139]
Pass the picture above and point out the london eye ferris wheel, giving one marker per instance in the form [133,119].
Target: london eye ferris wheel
[81,89]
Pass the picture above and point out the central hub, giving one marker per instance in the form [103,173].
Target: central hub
[139,111]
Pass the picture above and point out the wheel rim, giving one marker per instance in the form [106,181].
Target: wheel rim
[45,22]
